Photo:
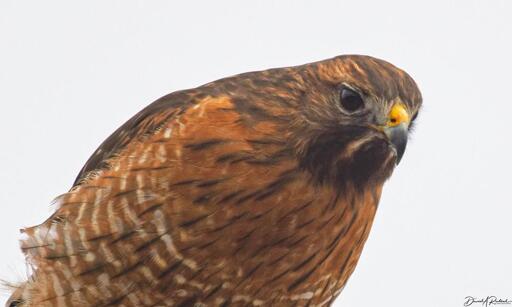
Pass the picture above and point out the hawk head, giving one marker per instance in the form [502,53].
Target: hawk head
[355,119]
[348,118]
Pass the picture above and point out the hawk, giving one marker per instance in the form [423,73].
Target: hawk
[257,189]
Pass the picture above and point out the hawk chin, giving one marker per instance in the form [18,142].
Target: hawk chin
[356,159]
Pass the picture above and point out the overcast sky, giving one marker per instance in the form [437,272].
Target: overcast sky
[70,74]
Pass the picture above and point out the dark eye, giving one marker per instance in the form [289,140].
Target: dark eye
[350,100]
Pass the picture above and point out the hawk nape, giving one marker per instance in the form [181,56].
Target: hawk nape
[257,189]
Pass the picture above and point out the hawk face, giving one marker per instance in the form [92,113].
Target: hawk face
[354,120]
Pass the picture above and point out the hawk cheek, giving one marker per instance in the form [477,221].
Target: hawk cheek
[352,156]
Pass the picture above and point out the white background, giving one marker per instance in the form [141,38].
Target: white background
[71,73]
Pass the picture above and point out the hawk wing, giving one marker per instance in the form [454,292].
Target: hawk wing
[81,254]
[143,123]
[136,210]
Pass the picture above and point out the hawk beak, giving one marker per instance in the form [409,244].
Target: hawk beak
[397,128]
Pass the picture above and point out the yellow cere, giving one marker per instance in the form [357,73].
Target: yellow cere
[397,115]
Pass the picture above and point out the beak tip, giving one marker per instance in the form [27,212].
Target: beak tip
[398,158]
[400,150]
[398,155]
[398,138]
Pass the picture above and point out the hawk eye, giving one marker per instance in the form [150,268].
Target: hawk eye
[351,100]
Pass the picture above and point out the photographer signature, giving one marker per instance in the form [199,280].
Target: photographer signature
[488,301]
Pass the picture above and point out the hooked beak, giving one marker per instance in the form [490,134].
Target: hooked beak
[397,128]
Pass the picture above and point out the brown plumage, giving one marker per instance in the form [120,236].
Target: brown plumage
[258,189]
